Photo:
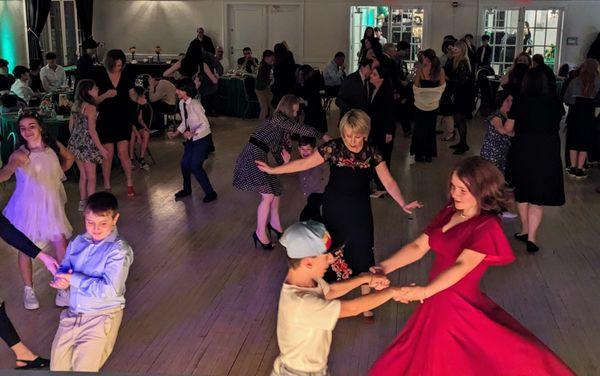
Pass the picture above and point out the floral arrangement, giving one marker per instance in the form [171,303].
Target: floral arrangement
[47,107]
[339,266]
[132,52]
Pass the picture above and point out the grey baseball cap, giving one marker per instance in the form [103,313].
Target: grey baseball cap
[306,239]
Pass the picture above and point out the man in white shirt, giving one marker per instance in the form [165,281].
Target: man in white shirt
[21,86]
[53,76]
[334,73]
[308,306]
[379,35]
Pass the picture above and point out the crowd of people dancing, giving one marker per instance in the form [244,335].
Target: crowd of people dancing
[330,250]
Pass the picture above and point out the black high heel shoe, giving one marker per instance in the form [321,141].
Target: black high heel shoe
[270,228]
[265,246]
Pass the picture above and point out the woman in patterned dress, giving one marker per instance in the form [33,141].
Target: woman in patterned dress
[346,202]
[272,136]
[498,132]
[84,143]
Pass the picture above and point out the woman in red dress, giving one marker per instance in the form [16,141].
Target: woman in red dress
[458,330]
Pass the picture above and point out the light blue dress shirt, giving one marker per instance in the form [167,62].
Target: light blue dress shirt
[99,272]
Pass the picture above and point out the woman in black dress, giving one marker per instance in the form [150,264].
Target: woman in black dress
[271,136]
[346,203]
[307,88]
[115,111]
[582,96]
[429,85]
[383,123]
[463,83]
[284,73]
[535,165]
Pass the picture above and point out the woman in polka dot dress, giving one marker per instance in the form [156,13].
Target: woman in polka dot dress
[272,136]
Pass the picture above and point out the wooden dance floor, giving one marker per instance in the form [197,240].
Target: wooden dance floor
[201,300]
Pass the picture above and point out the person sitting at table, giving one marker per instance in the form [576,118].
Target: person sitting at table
[162,97]
[219,55]
[334,73]
[6,79]
[35,82]
[53,76]
[247,62]
[21,86]
[85,64]
[10,103]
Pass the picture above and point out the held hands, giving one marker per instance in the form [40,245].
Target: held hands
[377,281]
[49,262]
[411,293]
[408,208]
[62,280]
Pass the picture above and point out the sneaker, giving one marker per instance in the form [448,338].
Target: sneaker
[29,299]
[580,174]
[145,165]
[509,215]
[81,206]
[62,298]
[181,194]
[572,172]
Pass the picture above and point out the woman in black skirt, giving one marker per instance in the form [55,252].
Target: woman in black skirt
[582,98]
[429,85]
[115,111]
[535,165]
[463,99]
[346,203]
[272,136]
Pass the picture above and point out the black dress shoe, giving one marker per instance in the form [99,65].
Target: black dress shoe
[38,362]
[182,194]
[210,197]
[521,237]
[532,247]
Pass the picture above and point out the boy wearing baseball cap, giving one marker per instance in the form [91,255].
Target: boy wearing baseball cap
[308,306]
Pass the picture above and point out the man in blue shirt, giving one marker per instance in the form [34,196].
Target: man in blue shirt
[95,269]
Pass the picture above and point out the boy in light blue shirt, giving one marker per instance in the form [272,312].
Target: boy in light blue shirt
[95,268]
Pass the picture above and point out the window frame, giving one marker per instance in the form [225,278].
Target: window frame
[46,34]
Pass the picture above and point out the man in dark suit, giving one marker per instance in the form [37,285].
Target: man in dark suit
[203,41]
[483,56]
[355,89]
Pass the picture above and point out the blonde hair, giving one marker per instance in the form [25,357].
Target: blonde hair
[286,105]
[462,46]
[357,121]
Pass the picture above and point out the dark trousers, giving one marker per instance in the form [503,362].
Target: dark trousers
[312,210]
[386,152]
[7,330]
[194,155]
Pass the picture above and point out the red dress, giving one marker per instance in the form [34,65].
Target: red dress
[460,331]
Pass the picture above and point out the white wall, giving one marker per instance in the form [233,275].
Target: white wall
[13,45]
[172,24]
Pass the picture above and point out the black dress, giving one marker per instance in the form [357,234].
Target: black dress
[424,142]
[114,114]
[534,160]
[346,203]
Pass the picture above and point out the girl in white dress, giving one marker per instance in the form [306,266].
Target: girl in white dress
[37,206]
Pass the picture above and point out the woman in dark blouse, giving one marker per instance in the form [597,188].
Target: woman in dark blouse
[346,203]
[114,114]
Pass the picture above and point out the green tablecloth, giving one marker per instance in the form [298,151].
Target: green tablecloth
[9,130]
[233,100]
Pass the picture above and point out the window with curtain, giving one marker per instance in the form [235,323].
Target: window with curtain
[61,34]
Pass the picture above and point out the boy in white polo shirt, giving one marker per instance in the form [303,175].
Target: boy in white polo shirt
[308,306]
